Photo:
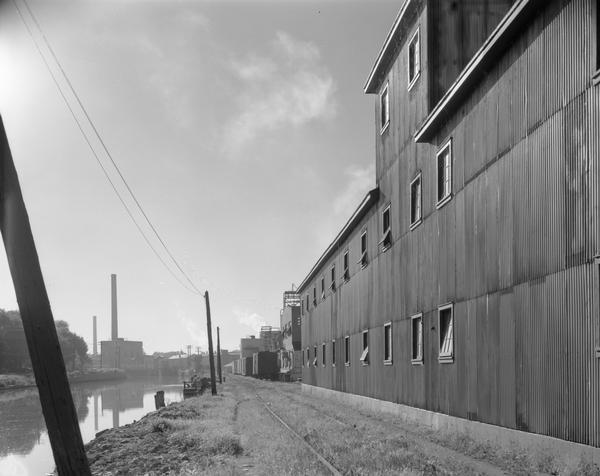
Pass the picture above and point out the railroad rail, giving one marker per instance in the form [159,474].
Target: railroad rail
[332,469]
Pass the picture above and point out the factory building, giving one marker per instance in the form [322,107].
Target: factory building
[119,353]
[466,283]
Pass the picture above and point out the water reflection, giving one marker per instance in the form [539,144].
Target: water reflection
[24,445]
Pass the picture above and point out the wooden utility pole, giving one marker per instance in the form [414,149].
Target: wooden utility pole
[219,356]
[211,357]
[38,322]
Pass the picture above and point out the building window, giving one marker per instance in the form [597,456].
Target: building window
[364,260]
[302,308]
[417,339]
[307,303]
[444,173]
[332,286]
[346,265]
[347,350]
[446,328]
[315,360]
[322,288]
[386,229]
[314,295]
[364,357]
[323,354]
[384,106]
[415,202]
[333,353]
[387,343]
[303,359]
[308,356]
[414,59]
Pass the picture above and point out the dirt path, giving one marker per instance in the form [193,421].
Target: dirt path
[353,442]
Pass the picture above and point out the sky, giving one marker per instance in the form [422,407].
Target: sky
[241,127]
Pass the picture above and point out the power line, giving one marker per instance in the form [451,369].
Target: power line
[139,206]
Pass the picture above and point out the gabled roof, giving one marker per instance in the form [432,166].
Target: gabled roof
[370,199]
[395,38]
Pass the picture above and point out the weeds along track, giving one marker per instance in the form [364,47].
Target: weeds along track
[332,469]
[445,460]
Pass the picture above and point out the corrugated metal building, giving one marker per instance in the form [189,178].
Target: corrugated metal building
[467,281]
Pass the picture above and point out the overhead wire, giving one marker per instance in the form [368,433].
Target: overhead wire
[139,206]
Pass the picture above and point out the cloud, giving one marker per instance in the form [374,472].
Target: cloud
[193,329]
[249,319]
[361,180]
[290,87]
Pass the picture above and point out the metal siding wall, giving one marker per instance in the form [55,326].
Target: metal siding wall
[512,249]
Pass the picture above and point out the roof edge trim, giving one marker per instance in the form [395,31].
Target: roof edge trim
[369,87]
[366,204]
[496,44]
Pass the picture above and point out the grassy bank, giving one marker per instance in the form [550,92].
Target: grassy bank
[191,437]
[16,380]
[8,381]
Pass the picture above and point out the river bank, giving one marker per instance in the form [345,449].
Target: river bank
[17,381]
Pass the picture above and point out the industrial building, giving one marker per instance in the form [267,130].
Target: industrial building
[466,283]
[118,353]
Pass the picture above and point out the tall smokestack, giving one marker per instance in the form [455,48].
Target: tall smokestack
[114,330]
[95,336]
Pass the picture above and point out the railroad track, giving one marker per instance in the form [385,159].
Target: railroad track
[332,469]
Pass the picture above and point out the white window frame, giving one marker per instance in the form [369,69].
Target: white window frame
[411,81]
[418,360]
[417,222]
[364,255]
[346,270]
[347,351]
[389,360]
[385,93]
[446,356]
[364,357]
[386,240]
[448,169]
[332,286]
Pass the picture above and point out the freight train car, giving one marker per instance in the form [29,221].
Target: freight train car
[264,365]
[247,366]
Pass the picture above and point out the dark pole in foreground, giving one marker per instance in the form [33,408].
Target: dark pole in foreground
[38,322]
[219,356]
[211,357]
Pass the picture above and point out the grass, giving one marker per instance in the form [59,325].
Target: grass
[14,380]
[191,437]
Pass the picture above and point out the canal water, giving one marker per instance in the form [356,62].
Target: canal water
[24,444]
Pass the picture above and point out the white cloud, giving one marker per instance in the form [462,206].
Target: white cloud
[192,327]
[289,88]
[249,319]
[361,180]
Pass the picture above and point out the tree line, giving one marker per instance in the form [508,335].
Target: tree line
[14,354]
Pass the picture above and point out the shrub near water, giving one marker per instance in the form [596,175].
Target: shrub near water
[189,434]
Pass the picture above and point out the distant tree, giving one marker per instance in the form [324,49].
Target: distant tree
[14,354]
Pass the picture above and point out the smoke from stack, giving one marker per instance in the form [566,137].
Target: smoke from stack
[114,320]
